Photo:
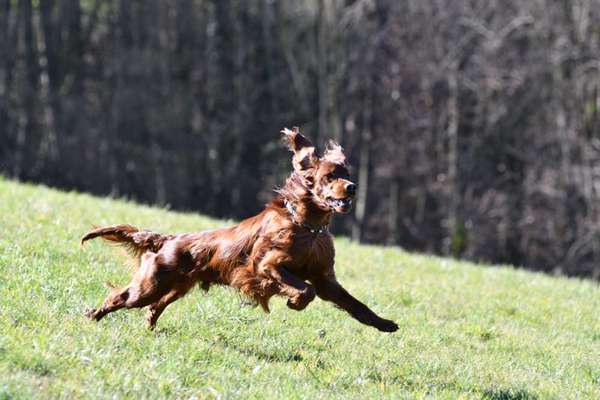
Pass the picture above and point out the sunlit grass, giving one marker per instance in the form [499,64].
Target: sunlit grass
[465,331]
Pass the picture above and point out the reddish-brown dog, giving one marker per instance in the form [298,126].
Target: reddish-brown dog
[285,250]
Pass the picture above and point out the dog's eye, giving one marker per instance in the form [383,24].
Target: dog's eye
[330,177]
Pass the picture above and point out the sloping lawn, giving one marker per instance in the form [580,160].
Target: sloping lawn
[465,331]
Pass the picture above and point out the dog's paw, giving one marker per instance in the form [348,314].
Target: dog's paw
[387,326]
[294,305]
[90,313]
[302,299]
[150,326]
[300,302]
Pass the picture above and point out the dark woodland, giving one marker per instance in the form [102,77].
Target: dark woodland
[472,127]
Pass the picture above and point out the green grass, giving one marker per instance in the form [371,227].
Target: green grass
[465,331]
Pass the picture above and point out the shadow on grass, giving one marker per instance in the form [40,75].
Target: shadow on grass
[276,356]
[164,332]
[508,394]
[269,357]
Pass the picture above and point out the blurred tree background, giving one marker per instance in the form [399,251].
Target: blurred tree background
[473,126]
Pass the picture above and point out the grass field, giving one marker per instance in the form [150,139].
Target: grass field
[465,331]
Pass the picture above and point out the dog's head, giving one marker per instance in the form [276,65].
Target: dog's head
[326,176]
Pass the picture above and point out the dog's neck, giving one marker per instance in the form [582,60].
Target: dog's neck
[321,226]
[303,205]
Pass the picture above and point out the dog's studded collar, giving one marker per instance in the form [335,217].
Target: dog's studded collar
[315,230]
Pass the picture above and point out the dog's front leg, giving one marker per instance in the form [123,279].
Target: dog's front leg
[298,292]
[329,289]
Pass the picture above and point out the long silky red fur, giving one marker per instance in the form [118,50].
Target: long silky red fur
[272,253]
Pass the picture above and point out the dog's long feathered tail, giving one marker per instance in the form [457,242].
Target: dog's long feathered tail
[136,241]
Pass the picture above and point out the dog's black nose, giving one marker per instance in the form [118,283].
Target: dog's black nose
[351,189]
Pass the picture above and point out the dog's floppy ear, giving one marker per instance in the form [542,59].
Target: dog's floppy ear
[334,153]
[304,151]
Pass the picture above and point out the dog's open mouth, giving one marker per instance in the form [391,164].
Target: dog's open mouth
[340,205]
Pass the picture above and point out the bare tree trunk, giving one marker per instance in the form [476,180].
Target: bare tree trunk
[298,81]
[26,120]
[50,85]
[322,73]
[393,212]
[267,23]
[162,47]
[8,34]
[240,48]
[364,162]
[221,153]
[454,231]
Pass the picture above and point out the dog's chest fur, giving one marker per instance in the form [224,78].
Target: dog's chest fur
[309,253]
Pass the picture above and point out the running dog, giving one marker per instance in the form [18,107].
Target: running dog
[285,250]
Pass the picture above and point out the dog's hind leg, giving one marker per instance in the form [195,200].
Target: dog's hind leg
[114,301]
[148,286]
[132,296]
